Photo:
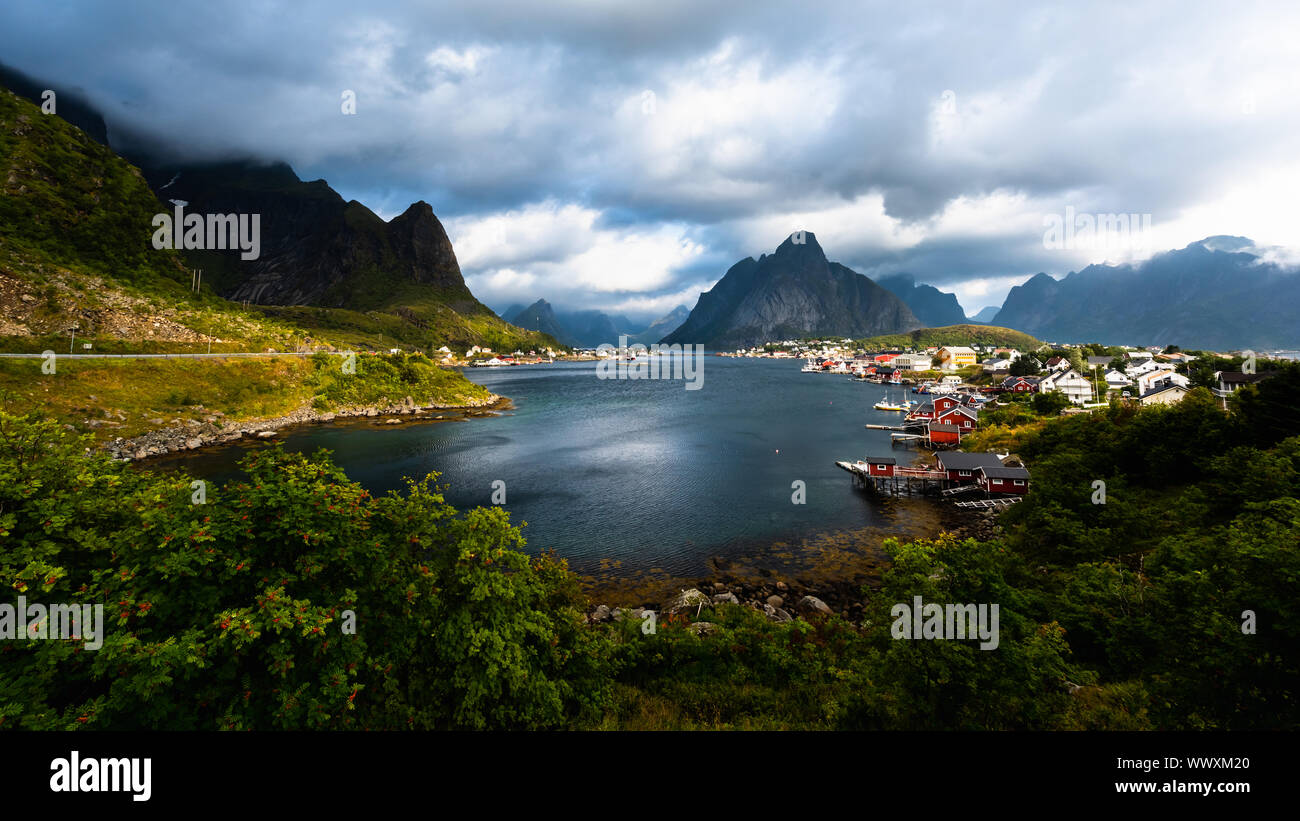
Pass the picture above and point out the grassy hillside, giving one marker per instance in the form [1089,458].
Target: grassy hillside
[111,398]
[75,253]
[968,335]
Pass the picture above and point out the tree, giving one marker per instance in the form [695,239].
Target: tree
[294,600]
[1024,366]
[1050,403]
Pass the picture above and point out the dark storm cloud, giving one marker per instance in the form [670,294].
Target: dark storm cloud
[869,120]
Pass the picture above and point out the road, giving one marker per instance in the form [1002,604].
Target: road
[151,355]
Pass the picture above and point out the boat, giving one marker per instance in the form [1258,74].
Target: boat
[886,405]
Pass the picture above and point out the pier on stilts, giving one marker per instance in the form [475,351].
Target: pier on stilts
[899,480]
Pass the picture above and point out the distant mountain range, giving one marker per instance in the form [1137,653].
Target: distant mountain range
[1219,293]
[795,292]
[986,315]
[589,329]
[935,308]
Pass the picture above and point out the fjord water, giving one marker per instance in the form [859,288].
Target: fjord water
[640,472]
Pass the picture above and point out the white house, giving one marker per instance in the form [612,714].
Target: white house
[1141,366]
[996,365]
[1166,394]
[1116,380]
[1074,385]
[1151,380]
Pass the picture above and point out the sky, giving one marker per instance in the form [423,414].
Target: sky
[623,155]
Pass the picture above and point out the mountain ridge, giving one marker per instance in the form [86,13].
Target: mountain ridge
[796,291]
[1211,293]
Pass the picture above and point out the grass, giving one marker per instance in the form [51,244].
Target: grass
[129,393]
[125,395]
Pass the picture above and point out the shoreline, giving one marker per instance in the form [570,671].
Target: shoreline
[831,567]
[194,436]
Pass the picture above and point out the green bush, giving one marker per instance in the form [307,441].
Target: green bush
[233,614]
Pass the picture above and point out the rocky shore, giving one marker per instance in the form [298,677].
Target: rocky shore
[215,430]
[801,594]
[780,600]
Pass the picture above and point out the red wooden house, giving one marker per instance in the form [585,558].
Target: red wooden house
[1003,480]
[961,467]
[880,465]
[1020,384]
[961,416]
[941,434]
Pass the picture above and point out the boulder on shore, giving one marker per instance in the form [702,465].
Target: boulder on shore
[686,600]
[809,605]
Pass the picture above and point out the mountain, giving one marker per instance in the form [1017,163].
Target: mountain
[1221,293]
[591,328]
[316,248]
[933,307]
[398,281]
[795,292]
[540,316]
[69,104]
[661,327]
[584,329]
[986,314]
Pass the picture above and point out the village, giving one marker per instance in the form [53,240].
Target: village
[954,384]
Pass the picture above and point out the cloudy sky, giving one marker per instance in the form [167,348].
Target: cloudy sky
[622,155]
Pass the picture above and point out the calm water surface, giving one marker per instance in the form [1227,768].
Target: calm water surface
[639,472]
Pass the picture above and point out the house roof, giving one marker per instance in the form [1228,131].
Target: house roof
[1000,472]
[881,460]
[1170,387]
[1099,360]
[958,460]
[966,410]
[1011,380]
[1235,377]
[942,428]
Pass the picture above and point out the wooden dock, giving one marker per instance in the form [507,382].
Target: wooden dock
[905,479]
[1001,501]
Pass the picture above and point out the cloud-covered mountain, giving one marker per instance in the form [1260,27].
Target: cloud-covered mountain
[935,308]
[1219,293]
[795,292]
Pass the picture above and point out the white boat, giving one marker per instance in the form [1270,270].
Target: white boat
[886,405]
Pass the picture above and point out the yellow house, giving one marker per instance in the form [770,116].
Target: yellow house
[956,357]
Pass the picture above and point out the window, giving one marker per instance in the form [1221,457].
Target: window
[968,423]
[1020,483]
[963,473]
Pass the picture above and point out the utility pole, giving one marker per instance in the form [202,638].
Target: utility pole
[74,338]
